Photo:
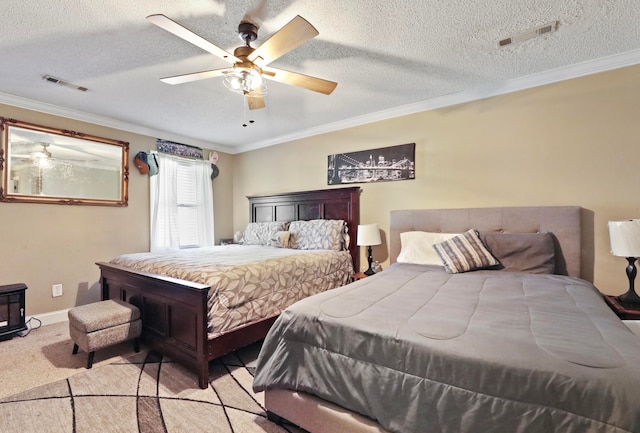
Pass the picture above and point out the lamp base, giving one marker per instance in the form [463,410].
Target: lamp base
[370,271]
[631,297]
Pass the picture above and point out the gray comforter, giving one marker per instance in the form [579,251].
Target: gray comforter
[420,350]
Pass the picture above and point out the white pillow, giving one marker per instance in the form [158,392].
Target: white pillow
[417,247]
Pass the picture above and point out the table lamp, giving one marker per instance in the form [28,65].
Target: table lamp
[368,235]
[625,242]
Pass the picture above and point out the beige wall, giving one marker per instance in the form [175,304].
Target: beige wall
[223,197]
[45,244]
[575,142]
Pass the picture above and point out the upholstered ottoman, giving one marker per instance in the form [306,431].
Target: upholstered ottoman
[102,324]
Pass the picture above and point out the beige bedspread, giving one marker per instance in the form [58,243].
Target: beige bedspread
[248,282]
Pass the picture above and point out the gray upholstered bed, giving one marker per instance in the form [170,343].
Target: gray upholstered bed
[417,349]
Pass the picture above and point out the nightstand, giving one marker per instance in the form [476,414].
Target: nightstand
[624,310]
[361,276]
[358,276]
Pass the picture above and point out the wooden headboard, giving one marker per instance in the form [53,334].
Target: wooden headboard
[336,204]
[563,221]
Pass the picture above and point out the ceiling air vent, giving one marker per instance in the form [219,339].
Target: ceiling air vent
[530,34]
[60,82]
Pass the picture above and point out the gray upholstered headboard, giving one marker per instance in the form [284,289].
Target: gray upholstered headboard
[563,221]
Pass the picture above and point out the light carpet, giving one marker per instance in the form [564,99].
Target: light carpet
[145,393]
[44,356]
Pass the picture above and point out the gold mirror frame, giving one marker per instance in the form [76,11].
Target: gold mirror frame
[40,164]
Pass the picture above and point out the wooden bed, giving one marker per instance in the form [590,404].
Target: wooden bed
[174,312]
[565,222]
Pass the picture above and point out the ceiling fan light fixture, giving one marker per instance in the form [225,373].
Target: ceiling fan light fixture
[245,80]
[42,162]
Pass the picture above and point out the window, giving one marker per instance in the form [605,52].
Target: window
[181,202]
[187,205]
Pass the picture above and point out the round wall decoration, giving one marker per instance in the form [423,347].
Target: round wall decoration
[213,159]
[214,171]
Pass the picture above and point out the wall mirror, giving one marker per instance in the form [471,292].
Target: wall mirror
[48,165]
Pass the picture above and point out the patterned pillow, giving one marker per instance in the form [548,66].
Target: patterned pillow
[465,252]
[318,235]
[262,233]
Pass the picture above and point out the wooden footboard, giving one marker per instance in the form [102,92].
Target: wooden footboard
[174,313]
[174,317]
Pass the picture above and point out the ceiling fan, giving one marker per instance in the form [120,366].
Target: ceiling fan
[41,153]
[250,65]
[42,156]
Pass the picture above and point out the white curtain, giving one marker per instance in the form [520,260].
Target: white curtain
[169,229]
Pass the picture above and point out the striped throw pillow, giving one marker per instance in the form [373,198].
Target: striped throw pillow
[464,253]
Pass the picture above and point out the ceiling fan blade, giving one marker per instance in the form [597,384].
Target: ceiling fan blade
[292,35]
[254,102]
[195,76]
[295,79]
[182,32]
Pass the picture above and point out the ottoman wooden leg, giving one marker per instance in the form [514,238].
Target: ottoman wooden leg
[102,324]
[277,419]
[136,344]
[90,360]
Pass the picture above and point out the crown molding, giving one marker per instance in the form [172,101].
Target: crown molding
[603,64]
[56,110]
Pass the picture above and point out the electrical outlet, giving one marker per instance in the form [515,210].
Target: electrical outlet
[56,290]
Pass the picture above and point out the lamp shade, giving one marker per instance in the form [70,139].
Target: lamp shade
[368,234]
[625,238]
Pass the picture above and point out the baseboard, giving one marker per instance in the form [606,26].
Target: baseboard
[50,318]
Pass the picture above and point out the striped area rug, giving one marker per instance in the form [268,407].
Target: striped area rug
[148,394]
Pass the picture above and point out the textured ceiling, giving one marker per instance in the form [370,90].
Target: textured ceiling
[389,58]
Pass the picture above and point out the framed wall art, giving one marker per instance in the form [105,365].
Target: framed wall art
[383,164]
